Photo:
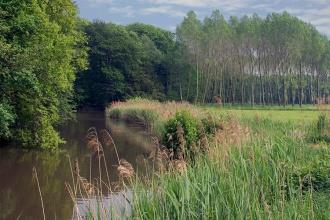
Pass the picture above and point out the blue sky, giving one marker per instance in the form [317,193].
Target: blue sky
[169,13]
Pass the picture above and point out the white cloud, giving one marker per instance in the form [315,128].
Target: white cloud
[171,28]
[321,21]
[98,2]
[126,11]
[130,11]
[228,4]
[192,3]
[316,12]
[163,10]
[319,17]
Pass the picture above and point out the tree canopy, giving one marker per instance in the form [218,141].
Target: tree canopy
[125,61]
[40,52]
[277,59]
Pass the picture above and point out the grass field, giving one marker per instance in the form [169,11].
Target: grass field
[275,174]
[294,114]
[272,169]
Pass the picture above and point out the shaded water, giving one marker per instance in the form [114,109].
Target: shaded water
[19,195]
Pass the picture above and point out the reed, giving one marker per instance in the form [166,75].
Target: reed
[245,168]
[257,179]
[151,114]
[92,190]
[35,176]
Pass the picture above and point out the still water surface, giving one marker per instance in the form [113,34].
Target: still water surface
[19,195]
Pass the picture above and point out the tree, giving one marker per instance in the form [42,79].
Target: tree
[277,59]
[41,50]
[125,61]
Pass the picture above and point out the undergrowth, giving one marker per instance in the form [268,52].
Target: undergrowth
[320,130]
[253,168]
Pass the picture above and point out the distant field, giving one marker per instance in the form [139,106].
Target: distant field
[278,113]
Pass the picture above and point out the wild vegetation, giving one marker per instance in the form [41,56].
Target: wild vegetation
[243,150]
[250,167]
[250,60]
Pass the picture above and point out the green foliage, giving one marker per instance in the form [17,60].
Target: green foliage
[252,59]
[141,115]
[321,123]
[190,128]
[162,39]
[7,119]
[124,62]
[41,50]
[146,117]
[255,180]
[320,130]
[211,124]
[239,60]
[314,175]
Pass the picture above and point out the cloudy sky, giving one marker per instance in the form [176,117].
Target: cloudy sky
[169,13]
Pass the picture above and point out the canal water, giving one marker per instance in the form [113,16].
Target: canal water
[19,194]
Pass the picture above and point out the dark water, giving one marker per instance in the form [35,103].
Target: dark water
[19,195]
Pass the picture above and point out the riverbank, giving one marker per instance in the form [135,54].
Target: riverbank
[274,172]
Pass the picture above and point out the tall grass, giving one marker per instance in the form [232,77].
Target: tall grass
[151,114]
[254,168]
[259,179]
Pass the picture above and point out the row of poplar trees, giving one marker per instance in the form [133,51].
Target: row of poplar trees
[252,60]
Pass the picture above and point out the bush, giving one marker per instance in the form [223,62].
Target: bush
[7,118]
[173,138]
[115,114]
[211,125]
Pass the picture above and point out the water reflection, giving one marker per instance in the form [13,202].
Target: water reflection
[117,205]
[19,197]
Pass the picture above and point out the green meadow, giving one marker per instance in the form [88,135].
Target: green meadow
[307,113]
[260,164]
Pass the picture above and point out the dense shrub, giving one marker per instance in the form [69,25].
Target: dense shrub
[211,124]
[189,124]
[6,120]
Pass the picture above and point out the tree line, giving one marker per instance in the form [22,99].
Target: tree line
[278,59]
[274,60]
[52,62]
[124,61]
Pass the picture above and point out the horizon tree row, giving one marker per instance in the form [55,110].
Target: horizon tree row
[274,60]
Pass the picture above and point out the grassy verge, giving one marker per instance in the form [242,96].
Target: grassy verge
[253,168]
[151,114]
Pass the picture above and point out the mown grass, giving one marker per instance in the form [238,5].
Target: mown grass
[275,173]
[283,115]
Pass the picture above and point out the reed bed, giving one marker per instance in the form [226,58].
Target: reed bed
[149,113]
[164,110]
[96,192]
[268,175]
[246,168]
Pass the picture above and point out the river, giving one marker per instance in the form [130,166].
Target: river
[19,194]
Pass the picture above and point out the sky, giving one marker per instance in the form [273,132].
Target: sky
[169,13]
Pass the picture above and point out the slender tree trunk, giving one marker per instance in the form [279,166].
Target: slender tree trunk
[196,99]
[300,85]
